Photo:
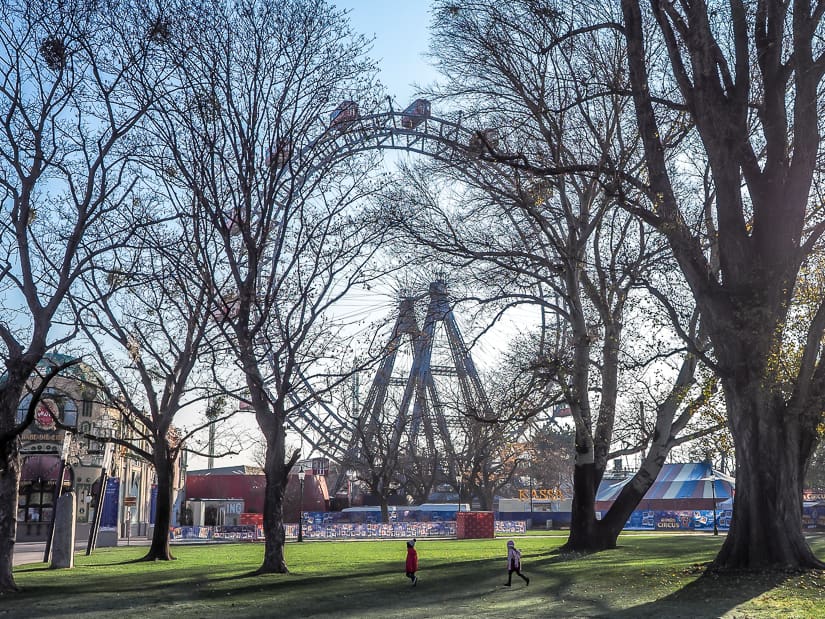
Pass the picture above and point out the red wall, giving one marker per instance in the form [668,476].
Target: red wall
[475,525]
[251,489]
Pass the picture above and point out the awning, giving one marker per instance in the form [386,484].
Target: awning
[45,468]
[690,480]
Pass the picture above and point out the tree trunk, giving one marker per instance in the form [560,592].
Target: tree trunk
[584,535]
[9,488]
[165,470]
[276,475]
[485,498]
[15,379]
[385,509]
[613,521]
[766,531]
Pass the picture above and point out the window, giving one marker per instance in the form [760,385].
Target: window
[23,408]
[35,503]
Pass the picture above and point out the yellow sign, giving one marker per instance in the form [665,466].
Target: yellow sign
[541,494]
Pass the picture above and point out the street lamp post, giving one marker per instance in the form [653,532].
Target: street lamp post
[301,475]
[713,494]
[531,497]
[458,484]
[530,475]
[351,476]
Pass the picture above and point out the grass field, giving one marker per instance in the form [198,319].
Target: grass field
[647,576]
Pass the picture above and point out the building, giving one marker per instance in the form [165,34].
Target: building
[75,399]
[248,484]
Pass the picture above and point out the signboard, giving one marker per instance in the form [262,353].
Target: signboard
[108,518]
[129,501]
[45,415]
[153,503]
[682,520]
[541,494]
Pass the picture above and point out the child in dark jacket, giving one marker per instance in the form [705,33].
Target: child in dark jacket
[514,564]
[412,562]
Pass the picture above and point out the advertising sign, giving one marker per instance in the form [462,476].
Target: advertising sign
[682,520]
[111,503]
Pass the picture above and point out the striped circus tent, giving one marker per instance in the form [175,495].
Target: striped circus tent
[689,485]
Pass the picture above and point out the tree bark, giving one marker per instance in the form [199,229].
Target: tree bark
[612,523]
[9,488]
[587,534]
[18,371]
[485,498]
[164,470]
[584,530]
[276,475]
[766,529]
[385,509]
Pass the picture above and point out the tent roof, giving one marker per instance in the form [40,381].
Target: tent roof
[689,480]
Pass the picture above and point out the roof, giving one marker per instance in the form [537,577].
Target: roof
[81,371]
[689,480]
[241,469]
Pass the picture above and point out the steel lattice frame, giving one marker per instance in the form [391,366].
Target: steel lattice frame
[421,418]
[325,430]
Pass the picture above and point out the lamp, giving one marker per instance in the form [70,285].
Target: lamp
[301,475]
[351,476]
[713,494]
[458,484]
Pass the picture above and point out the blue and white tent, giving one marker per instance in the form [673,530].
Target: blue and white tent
[690,485]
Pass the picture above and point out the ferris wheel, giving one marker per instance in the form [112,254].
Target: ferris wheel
[409,405]
[420,422]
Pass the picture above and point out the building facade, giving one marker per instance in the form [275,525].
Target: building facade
[75,400]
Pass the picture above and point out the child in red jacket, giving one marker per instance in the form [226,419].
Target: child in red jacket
[412,562]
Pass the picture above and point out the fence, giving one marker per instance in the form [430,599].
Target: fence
[321,530]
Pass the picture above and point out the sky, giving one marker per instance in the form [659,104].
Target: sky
[401,39]
[400,30]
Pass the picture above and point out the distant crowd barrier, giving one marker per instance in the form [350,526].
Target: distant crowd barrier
[344,530]
[320,530]
[236,533]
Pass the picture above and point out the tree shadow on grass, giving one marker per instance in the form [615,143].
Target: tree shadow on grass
[710,595]
[337,594]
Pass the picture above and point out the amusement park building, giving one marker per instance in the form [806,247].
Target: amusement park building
[248,484]
[75,398]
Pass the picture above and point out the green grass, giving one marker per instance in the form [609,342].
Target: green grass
[647,576]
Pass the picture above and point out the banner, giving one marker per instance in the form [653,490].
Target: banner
[319,530]
[679,520]
[111,503]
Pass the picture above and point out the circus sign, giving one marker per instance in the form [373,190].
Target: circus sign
[45,414]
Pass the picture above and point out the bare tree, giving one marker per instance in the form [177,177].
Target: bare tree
[749,79]
[540,221]
[247,139]
[486,457]
[75,78]
[381,460]
[148,316]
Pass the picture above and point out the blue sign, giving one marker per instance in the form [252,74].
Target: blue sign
[691,520]
[111,502]
[153,503]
